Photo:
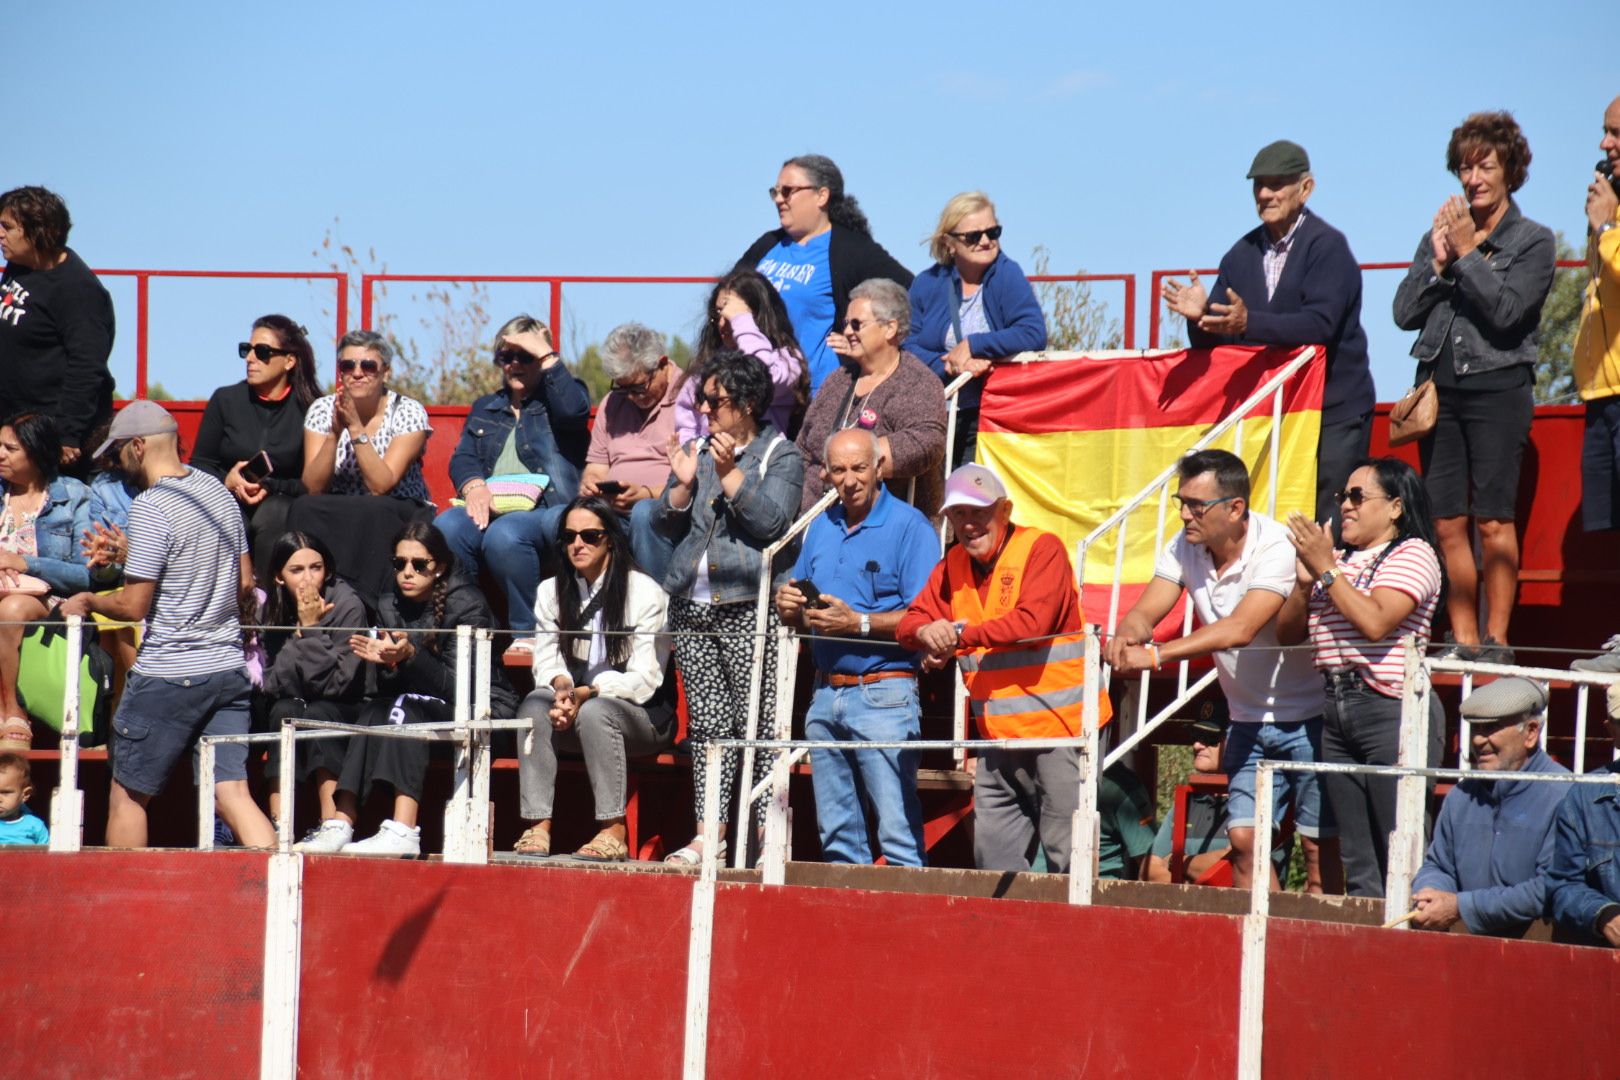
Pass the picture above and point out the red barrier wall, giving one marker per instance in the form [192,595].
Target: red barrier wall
[831,983]
[421,969]
[132,964]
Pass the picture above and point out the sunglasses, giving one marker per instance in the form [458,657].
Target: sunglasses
[972,237]
[786,192]
[419,565]
[714,401]
[1198,507]
[507,357]
[261,351]
[854,326]
[592,537]
[368,365]
[1355,496]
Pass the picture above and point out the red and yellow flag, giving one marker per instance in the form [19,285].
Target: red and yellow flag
[1075,440]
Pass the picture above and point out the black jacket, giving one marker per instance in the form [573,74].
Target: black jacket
[852,256]
[319,664]
[432,670]
[237,424]
[56,331]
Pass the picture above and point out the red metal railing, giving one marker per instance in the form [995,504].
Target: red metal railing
[1156,307]
[143,280]
[1129,280]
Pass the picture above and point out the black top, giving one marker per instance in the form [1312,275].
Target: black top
[852,256]
[433,671]
[238,423]
[56,331]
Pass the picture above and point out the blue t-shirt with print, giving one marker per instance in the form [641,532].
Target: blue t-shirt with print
[802,275]
[24,829]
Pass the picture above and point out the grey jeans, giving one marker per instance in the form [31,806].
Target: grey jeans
[607,731]
[1016,792]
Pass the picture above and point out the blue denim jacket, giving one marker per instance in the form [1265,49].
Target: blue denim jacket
[1585,873]
[62,520]
[552,434]
[735,531]
[1489,300]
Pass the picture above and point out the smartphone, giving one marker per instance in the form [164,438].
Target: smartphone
[610,488]
[812,595]
[1606,170]
[256,468]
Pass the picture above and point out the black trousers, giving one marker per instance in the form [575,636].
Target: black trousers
[402,764]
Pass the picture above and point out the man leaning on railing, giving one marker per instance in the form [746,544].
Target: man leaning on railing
[1003,602]
[1583,885]
[1493,842]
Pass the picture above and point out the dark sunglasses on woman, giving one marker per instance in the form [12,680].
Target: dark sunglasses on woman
[971,238]
[368,365]
[261,351]
[1355,496]
[419,565]
[592,537]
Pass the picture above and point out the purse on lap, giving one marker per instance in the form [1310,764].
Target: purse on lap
[512,493]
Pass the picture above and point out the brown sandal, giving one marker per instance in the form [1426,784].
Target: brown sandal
[534,841]
[605,846]
[16,734]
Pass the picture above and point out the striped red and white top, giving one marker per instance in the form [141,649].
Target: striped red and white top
[1412,568]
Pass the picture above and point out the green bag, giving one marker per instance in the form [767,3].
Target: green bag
[42,678]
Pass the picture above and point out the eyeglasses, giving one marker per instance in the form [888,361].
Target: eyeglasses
[1355,496]
[853,326]
[419,565]
[261,351]
[640,386]
[714,401]
[592,537]
[507,357]
[1199,507]
[972,237]
[786,192]
[368,365]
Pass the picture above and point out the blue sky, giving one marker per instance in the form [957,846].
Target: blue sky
[639,139]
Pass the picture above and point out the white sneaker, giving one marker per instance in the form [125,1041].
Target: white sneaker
[392,840]
[327,838]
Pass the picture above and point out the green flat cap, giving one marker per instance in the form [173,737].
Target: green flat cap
[1504,699]
[1281,158]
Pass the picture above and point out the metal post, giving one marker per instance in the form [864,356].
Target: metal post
[1083,829]
[1252,974]
[1406,841]
[1582,703]
[778,819]
[283,946]
[456,811]
[67,802]
[205,794]
[287,778]
[700,943]
[143,295]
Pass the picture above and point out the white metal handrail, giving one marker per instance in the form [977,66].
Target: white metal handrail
[1118,524]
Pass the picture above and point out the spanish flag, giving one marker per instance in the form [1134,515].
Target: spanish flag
[1075,440]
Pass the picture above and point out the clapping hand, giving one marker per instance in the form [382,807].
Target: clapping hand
[390,648]
[1229,319]
[838,342]
[1313,543]
[723,448]
[104,545]
[682,459]
[1187,300]
[1459,227]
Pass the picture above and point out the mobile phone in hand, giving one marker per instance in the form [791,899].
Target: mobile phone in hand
[610,488]
[812,595]
[256,468]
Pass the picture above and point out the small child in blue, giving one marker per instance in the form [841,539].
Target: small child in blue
[18,825]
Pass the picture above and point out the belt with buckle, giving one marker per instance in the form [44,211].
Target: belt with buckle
[861,680]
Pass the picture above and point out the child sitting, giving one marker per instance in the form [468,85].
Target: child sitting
[18,825]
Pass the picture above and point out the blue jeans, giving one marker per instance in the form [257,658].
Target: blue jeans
[512,549]
[1249,744]
[883,711]
[651,548]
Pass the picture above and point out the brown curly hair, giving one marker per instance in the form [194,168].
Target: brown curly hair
[43,216]
[1483,132]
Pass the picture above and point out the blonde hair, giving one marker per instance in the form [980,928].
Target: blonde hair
[960,206]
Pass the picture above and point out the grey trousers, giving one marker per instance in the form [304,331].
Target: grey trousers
[1016,793]
[607,731]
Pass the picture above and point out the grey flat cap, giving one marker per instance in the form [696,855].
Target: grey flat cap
[1504,699]
[1281,158]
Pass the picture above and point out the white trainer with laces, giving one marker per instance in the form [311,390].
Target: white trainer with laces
[327,838]
[393,840]
[1606,661]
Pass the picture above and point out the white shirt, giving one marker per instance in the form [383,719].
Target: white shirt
[1262,686]
[645,611]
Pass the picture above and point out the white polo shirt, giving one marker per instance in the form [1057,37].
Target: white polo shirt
[1261,686]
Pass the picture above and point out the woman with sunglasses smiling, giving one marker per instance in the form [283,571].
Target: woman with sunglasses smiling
[530,433]
[881,387]
[604,685]
[414,657]
[1356,605]
[972,307]
[262,414]
[728,497]
[821,249]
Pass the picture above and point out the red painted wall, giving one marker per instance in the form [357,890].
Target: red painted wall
[132,964]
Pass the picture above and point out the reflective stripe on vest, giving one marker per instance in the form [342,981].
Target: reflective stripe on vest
[1020,691]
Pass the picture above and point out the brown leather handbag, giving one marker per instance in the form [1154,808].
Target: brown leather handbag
[1415,415]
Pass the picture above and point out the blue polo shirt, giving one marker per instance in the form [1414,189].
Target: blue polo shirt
[880,565]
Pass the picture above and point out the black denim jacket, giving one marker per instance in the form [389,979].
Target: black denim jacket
[1489,300]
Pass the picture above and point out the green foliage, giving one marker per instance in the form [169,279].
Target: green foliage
[1560,321]
[1074,318]
[155,392]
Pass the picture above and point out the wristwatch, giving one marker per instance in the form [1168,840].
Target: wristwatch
[1605,227]
[1328,578]
[361,439]
[866,626]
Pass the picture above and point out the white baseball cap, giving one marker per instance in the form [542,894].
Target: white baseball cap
[973,485]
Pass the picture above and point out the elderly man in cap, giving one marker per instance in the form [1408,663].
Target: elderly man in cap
[1493,841]
[1003,603]
[185,574]
[1293,281]
[862,562]
[1583,883]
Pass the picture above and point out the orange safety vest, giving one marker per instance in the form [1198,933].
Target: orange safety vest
[1018,691]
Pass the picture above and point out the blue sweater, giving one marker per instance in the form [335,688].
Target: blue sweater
[1317,302]
[1493,844]
[1585,874]
[1017,323]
